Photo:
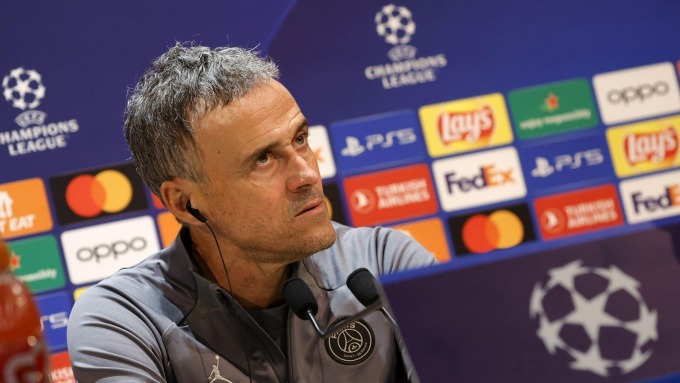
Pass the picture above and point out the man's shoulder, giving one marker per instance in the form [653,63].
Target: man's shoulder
[147,287]
[381,250]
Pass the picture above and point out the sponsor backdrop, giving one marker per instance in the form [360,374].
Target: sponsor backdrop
[532,147]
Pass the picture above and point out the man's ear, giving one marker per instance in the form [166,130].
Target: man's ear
[175,194]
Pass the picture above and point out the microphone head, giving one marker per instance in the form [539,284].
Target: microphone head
[299,297]
[363,285]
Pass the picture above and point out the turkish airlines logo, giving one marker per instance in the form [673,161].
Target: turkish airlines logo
[637,93]
[390,195]
[96,252]
[652,197]
[479,179]
[578,212]
[490,230]
[60,368]
[465,125]
[363,201]
[645,147]
[97,193]
[23,208]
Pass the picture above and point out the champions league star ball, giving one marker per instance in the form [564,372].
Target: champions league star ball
[395,24]
[23,88]
[596,316]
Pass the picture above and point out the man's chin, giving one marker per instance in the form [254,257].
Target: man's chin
[322,238]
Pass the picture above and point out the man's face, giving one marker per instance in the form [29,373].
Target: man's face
[264,194]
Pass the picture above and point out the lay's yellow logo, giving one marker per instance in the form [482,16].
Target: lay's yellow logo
[645,147]
[465,125]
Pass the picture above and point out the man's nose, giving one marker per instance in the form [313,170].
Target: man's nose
[304,171]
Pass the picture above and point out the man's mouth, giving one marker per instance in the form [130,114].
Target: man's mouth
[311,205]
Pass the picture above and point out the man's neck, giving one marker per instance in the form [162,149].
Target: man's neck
[253,285]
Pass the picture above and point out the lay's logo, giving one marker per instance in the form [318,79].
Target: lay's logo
[652,147]
[644,147]
[470,126]
[465,125]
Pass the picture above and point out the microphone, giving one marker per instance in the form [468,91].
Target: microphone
[364,287]
[304,305]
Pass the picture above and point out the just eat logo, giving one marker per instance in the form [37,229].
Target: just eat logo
[479,179]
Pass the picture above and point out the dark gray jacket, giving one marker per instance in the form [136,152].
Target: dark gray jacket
[160,321]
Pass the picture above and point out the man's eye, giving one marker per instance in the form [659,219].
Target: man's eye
[263,159]
[301,139]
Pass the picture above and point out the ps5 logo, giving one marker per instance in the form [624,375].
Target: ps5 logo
[355,146]
[544,167]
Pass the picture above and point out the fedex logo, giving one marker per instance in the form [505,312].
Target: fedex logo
[356,146]
[653,197]
[488,176]
[654,147]
[479,179]
[467,126]
[669,198]
[373,142]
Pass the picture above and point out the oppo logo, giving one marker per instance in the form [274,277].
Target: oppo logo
[114,249]
[640,93]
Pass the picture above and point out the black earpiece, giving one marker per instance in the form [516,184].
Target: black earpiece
[194,212]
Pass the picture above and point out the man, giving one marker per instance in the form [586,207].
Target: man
[224,145]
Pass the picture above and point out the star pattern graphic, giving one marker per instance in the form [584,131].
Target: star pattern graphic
[565,275]
[591,315]
[550,334]
[14,262]
[591,361]
[552,102]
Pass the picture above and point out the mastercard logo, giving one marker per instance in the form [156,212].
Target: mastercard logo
[98,193]
[491,230]
[108,191]
[499,230]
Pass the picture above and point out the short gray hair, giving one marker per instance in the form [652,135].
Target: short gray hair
[181,86]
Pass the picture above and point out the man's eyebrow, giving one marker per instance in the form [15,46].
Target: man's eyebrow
[259,152]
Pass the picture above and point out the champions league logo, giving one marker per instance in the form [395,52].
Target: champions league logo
[24,89]
[596,316]
[395,24]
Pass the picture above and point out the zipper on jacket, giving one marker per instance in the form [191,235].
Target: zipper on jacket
[289,357]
